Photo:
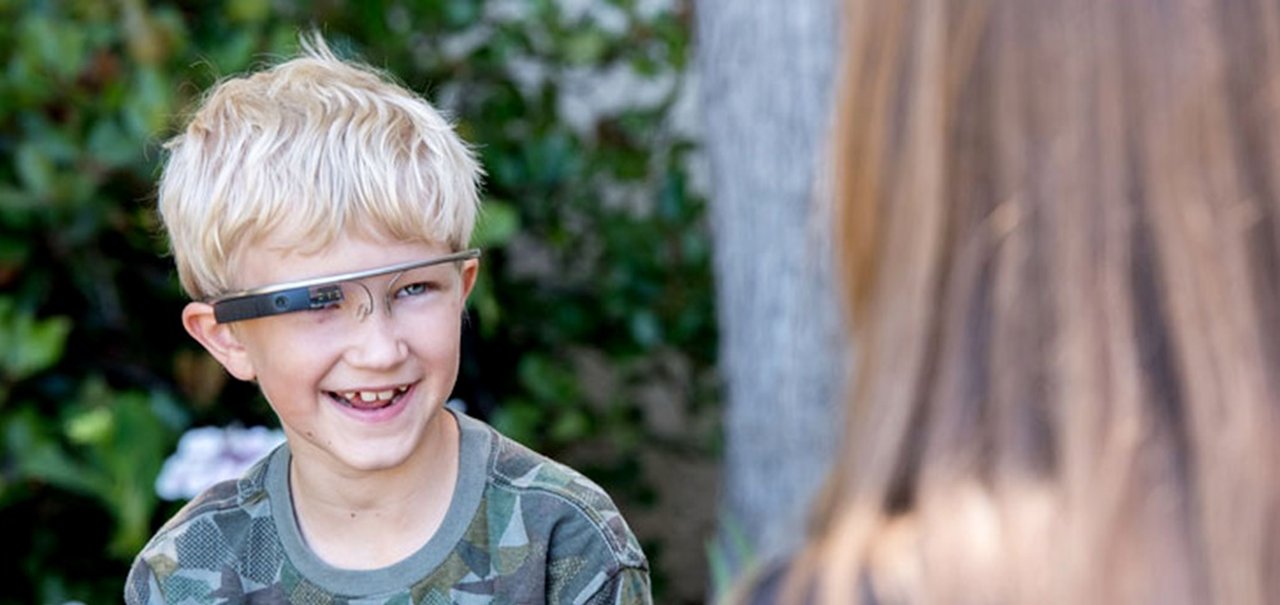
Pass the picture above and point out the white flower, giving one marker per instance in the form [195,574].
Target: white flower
[207,455]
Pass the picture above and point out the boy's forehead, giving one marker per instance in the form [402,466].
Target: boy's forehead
[281,258]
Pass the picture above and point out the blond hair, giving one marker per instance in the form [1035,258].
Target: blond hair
[312,148]
[1060,223]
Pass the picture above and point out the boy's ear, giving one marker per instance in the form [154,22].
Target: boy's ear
[218,339]
[470,269]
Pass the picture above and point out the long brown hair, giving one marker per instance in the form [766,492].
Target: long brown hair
[1060,229]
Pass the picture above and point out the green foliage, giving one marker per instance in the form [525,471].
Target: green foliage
[34,344]
[109,447]
[595,286]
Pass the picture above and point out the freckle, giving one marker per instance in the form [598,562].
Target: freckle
[353,515]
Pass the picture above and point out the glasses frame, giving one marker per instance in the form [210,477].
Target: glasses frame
[309,294]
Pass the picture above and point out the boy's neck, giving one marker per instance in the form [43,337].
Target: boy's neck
[376,519]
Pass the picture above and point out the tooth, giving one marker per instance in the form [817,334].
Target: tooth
[386,395]
[349,395]
[366,396]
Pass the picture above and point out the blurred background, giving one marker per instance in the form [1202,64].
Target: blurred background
[653,309]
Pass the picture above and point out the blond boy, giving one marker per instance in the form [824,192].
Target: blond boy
[319,216]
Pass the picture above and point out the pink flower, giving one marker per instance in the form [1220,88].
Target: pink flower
[207,455]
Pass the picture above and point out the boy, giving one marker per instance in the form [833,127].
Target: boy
[318,216]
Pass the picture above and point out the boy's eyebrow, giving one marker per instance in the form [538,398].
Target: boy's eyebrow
[236,304]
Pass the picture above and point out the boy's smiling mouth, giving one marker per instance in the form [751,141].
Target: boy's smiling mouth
[369,400]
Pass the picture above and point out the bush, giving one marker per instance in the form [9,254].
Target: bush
[591,329]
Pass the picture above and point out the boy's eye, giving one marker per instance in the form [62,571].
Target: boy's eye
[416,289]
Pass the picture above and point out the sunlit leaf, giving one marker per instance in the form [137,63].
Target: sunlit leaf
[570,426]
[248,11]
[35,169]
[31,344]
[498,222]
[586,46]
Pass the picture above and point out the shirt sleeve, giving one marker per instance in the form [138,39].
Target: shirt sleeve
[630,586]
[141,587]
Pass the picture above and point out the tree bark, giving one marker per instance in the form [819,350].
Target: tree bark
[766,84]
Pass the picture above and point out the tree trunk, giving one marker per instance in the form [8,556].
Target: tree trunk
[766,79]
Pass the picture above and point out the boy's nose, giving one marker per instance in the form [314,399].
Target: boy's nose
[376,341]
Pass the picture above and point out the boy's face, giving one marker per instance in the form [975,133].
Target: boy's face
[359,388]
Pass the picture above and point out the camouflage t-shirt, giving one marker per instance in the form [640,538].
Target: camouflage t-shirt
[520,528]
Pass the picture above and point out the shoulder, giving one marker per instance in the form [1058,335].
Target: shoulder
[207,537]
[561,501]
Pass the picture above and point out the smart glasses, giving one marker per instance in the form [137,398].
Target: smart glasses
[413,282]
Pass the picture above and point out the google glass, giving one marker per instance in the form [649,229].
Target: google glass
[318,293]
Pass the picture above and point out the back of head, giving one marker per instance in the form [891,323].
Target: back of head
[1060,223]
[305,151]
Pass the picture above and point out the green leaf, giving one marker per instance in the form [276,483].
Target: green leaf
[519,420]
[150,102]
[35,169]
[132,458]
[462,13]
[570,426]
[39,456]
[248,11]
[14,201]
[13,252]
[548,381]
[499,221]
[91,426]
[645,328]
[109,144]
[585,46]
[31,345]
[235,52]
[58,47]
[119,444]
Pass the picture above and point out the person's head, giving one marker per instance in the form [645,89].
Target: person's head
[318,215]
[304,152]
[1060,231]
